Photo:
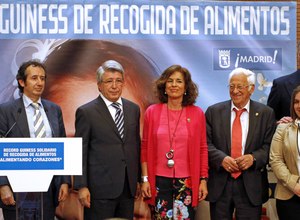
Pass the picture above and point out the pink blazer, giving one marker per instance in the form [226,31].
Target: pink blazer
[197,146]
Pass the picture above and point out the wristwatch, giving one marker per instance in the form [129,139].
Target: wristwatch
[144,179]
[204,178]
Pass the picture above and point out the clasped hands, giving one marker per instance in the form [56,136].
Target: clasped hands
[241,163]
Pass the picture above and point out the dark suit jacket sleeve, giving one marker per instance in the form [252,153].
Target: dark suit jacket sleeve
[62,130]
[3,125]
[262,124]
[62,133]
[262,153]
[138,115]
[82,130]
[216,156]
[275,97]
[55,118]
[3,129]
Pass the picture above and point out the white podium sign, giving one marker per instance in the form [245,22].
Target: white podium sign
[30,163]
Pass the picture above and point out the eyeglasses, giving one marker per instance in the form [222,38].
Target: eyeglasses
[238,87]
[110,82]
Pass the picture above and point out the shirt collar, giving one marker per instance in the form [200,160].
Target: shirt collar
[247,106]
[27,101]
[108,103]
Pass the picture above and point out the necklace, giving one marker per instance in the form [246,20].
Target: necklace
[170,154]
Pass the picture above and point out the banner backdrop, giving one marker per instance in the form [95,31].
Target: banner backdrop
[73,38]
[209,38]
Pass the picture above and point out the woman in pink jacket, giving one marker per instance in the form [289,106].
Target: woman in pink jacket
[174,156]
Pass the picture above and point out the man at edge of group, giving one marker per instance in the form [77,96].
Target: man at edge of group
[111,150]
[237,175]
[280,96]
[17,120]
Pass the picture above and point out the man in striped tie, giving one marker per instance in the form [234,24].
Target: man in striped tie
[32,116]
[109,126]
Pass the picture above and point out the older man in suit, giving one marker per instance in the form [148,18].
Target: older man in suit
[239,133]
[17,120]
[109,126]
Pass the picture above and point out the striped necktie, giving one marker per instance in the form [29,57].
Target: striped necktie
[119,118]
[39,127]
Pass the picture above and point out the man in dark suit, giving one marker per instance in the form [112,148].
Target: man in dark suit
[110,150]
[280,96]
[17,120]
[238,182]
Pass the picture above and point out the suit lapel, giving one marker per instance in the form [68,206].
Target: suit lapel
[293,142]
[126,112]
[105,115]
[225,123]
[52,119]
[253,114]
[21,118]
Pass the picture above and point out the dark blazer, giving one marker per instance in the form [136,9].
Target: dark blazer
[105,153]
[14,112]
[280,96]
[261,128]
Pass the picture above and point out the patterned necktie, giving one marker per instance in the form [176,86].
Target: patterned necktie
[236,138]
[119,118]
[39,127]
